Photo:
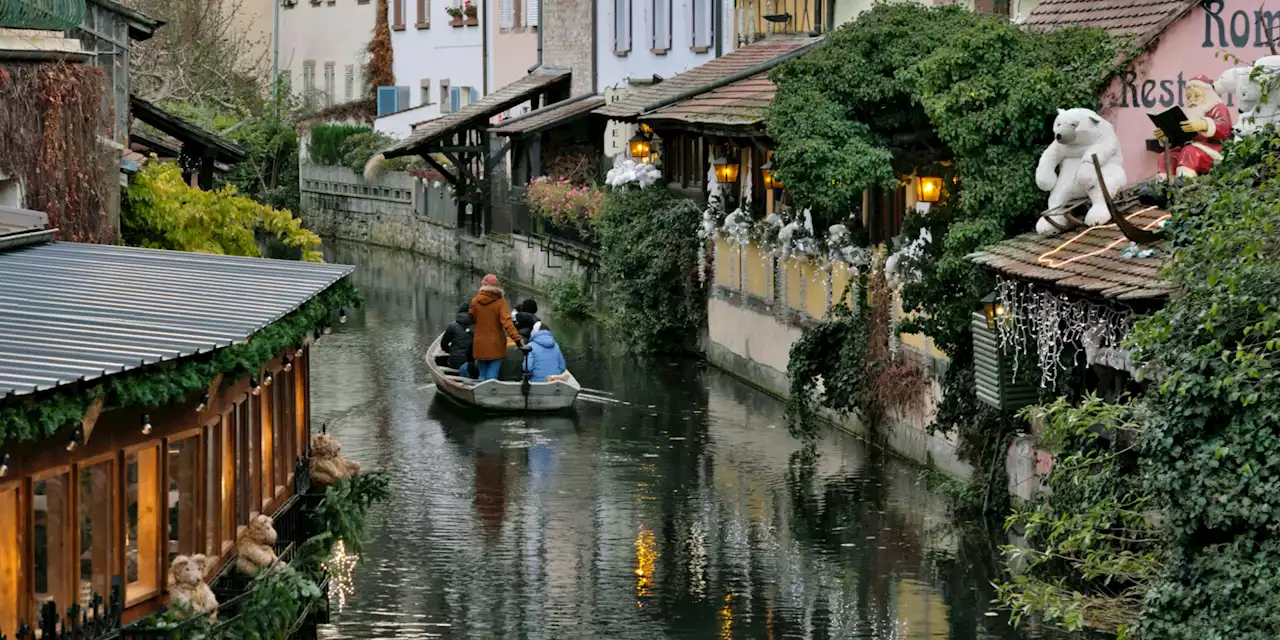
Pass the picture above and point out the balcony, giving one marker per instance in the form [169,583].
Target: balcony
[54,15]
[756,20]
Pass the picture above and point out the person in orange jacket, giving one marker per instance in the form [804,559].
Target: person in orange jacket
[493,326]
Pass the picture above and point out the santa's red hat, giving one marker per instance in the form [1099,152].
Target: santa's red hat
[1202,78]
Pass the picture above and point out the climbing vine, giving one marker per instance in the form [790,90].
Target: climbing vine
[49,129]
[381,72]
[21,419]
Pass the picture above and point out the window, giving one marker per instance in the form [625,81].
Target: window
[350,82]
[308,81]
[884,212]
[184,498]
[701,28]
[213,488]
[398,14]
[622,26]
[279,433]
[531,12]
[424,14]
[300,403]
[506,14]
[661,37]
[229,511]
[329,84]
[362,79]
[96,535]
[246,463]
[51,515]
[425,88]
[12,547]
[455,99]
[446,97]
[142,523]
[265,475]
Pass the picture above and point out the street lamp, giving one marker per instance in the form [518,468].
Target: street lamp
[993,309]
[766,170]
[726,171]
[640,146]
[928,188]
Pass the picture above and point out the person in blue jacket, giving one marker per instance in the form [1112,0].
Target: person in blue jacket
[544,358]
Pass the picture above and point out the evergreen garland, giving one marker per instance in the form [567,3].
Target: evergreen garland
[25,419]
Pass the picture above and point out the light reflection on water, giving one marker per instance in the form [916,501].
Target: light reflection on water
[688,513]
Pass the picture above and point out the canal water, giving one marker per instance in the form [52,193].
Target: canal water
[674,504]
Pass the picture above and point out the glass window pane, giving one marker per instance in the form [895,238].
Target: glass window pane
[299,405]
[50,514]
[212,490]
[281,447]
[11,549]
[229,477]
[245,464]
[184,498]
[142,523]
[265,475]
[96,545]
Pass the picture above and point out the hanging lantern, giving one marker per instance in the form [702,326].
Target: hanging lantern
[992,310]
[928,188]
[766,171]
[640,146]
[726,171]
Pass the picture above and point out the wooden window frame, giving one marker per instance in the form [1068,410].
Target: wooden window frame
[196,433]
[424,14]
[618,45]
[211,528]
[115,521]
[161,525]
[20,563]
[229,525]
[69,533]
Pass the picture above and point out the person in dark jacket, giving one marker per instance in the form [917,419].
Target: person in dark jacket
[525,316]
[545,358]
[457,340]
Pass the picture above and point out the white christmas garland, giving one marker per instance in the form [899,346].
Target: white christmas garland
[1041,322]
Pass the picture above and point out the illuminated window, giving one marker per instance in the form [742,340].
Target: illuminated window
[96,536]
[228,457]
[300,405]
[142,523]
[246,463]
[265,475]
[184,498]
[51,515]
[213,489]
[279,431]
[11,549]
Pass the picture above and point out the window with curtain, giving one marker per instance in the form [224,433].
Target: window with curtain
[266,475]
[279,446]
[50,517]
[12,548]
[506,14]
[184,498]
[213,489]
[97,544]
[700,25]
[661,36]
[246,463]
[531,8]
[621,26]
[142,523]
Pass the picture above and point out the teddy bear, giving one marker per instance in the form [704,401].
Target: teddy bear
[253,547]
[327,465]
[1066,168]
[188,593]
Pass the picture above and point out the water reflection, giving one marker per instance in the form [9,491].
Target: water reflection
[678,506]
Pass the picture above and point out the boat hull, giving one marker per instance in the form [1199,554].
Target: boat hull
[495,395]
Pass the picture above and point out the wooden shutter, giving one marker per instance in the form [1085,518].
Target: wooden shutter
[455,99]
[621,26]
[475,96]
[661,40]
[398,17]
[506,14]
[700,26]
[424,14]
[531,12]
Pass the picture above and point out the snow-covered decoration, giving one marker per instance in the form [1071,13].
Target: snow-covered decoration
[626,171]
[1045,324]
[903,265]
[796,238]
[840,246]
[1066,168]
[1257,91]
[737,227]
[707,229]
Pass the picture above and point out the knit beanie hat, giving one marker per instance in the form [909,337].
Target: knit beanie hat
[489,281]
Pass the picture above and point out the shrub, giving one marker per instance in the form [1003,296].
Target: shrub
[564,204]
[571,296]
[328,144]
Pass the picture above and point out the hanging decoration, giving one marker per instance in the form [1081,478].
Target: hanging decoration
[340,567]
[1043,324]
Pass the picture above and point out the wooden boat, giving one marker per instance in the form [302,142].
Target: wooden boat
[495,395]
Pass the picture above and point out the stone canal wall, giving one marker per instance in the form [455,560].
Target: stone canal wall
[401,211]
[758,307]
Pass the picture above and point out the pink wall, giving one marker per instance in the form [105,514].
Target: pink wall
[514,51]
[1206,41]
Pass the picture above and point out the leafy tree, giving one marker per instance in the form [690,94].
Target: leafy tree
[162,212]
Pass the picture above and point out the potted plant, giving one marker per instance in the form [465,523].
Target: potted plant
[456,14]
[470,11]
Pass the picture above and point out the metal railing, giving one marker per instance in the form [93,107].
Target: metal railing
[42,14]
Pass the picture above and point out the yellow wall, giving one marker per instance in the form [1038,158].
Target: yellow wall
[726,263]
[795,283]
[759,272]
[816,282]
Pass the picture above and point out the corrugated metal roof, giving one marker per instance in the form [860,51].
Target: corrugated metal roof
[482,109]
[71,312]
[1089,260]
[1119,17]
[549,116]
[742,59]
[13,221]
[742,103]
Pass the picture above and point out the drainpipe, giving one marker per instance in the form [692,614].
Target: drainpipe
[484,49]
[595,47]
[275,56]
[717,21]
[540,28]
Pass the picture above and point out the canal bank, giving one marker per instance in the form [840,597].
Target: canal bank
[679,507]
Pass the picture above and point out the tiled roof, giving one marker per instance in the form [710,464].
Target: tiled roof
[1087,260]
[549,116]
[703,75]
[480,110]
[741,103]
[186,132]
[1119,17]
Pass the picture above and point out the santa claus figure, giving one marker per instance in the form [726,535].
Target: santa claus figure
[1210,119]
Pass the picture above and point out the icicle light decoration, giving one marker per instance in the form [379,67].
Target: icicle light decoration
[1044,323]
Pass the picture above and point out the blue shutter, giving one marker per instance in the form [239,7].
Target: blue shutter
[475,95]
[387,100]
[455,99]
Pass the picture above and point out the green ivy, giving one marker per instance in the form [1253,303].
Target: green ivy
[571,296]
[649,256]
[24,419]
[831,353]
[328,142]
[1213,442]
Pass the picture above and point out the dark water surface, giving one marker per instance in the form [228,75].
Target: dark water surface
[682,509]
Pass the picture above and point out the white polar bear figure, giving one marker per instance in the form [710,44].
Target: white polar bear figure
[1249,84]
[1066,167]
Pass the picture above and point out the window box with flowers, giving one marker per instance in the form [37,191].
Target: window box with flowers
[565,207]
[463,16]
